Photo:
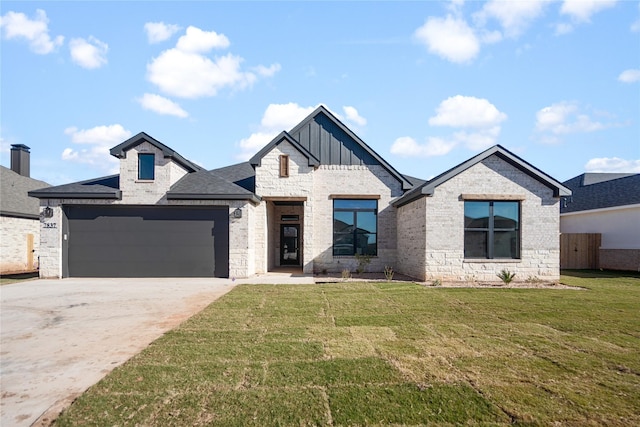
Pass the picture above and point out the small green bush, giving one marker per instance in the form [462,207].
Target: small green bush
[506,276]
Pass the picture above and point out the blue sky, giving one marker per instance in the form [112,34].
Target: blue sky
[426,84]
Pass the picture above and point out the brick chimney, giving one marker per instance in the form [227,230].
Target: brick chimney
[20,159]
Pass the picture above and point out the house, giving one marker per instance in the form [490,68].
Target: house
[19,214]
[313,198]
[607,204]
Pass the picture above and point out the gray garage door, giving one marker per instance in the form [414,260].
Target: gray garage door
[133,241]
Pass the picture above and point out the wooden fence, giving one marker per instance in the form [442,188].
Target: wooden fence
[580,250]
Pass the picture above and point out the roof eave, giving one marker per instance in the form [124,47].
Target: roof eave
[19,215]
[116,195]
[208,196]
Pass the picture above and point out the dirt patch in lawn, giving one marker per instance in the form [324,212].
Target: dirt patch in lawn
[380,277]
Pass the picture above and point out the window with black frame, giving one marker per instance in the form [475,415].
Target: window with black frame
[492,229]
[146,166]
[355,227]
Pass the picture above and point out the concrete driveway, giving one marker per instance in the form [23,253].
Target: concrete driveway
[59,337]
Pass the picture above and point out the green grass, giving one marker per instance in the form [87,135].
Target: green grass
[15,278]
[388,354]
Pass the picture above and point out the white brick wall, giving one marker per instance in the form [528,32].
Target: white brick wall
[317,215]
[354,180]
[13,244]
[444,226]
[167,173]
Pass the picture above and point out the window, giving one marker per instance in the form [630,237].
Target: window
[284,166]
[146,163]
[355,227]
[491,229]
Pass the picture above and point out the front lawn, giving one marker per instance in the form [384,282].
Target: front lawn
[388,354]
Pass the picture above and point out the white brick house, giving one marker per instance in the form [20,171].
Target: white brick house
[314,198]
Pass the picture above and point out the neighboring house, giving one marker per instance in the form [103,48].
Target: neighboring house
[19,215]
[608,204]
[313,198]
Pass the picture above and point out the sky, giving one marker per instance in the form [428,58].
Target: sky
[425,84]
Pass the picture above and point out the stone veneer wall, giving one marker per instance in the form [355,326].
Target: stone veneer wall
[135,191]
[13,244]
[336,180]
[412,239]
[444,219]
[269,184]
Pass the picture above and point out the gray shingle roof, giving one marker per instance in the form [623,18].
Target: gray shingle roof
[242,174]
[601,190]
[14,199]
[207,185]
[429,187]
[106,187]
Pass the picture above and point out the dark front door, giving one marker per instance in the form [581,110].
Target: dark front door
[289,244]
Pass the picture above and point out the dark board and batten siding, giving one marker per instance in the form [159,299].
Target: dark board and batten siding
[331,145]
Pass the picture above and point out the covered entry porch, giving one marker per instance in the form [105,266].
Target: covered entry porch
[287,233]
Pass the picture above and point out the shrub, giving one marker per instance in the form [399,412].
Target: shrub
[388,272]
[363,261]
[506,276]
[346,274]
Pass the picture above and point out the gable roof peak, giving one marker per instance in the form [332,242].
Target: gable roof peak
[428,188]
[120,150]
[256,160]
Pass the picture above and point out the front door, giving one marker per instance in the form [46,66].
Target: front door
[290,244]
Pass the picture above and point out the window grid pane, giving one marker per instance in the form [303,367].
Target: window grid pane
[355,227]
[492,229]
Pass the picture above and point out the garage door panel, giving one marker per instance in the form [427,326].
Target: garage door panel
[147,241]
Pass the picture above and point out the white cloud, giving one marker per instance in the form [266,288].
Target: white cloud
[90,53]
[565,118]
[630,76]
[477,122]
[467,111]
[583,10]
[185,72]
[353,116]
[161,105]
[514,16]
[408,147]
[159,31]
[635,26]
[267,71]
[612,164]
[451,38]
[36,31]
[198,41]
[276,118]
[98,141]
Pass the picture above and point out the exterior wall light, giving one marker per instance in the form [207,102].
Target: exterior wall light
[47,212]
[237,213]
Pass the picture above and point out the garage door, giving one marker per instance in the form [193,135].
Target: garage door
[133,241]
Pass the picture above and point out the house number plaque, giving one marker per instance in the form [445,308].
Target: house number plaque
[50,225]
